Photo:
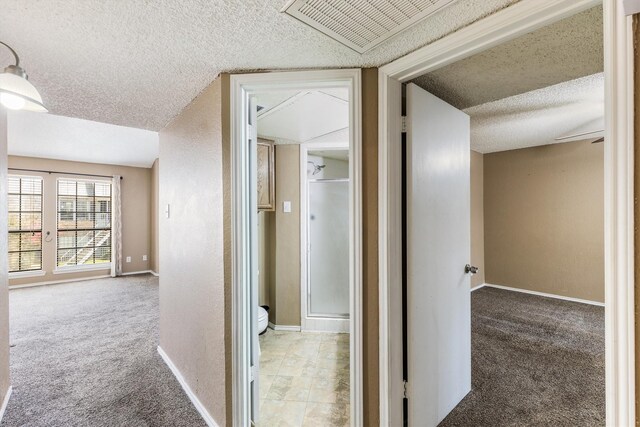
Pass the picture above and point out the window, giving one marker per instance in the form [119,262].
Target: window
[84,223]
[25,223]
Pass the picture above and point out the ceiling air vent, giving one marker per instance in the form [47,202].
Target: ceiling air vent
[362,24]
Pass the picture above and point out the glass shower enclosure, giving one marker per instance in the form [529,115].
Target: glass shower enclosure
[328,238]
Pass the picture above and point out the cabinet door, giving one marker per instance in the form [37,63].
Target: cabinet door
[266,184]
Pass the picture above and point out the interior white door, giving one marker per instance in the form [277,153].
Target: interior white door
[438,248]
[254,359]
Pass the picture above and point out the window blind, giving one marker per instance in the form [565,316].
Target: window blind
[84,222]
[25,223]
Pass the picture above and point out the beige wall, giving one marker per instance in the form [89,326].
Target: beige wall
[370,314]
[265,257]
[4,289]
[194,309]
[154,264]
[544,219]
[136,213]
[477,217]
[287,237]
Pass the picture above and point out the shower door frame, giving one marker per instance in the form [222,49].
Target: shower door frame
[316,323]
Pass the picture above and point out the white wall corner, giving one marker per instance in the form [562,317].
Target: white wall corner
[5,402]
[190,394]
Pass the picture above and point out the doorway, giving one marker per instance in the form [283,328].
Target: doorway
[506,25]
[244,135]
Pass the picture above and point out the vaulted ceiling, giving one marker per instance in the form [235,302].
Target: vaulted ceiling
[139,63]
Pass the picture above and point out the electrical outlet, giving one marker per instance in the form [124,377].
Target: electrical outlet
[128,259]
[286,206]
[144,257]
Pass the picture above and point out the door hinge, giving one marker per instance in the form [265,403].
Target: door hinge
[253,372]
[405,392]
[253,131]
[403,124]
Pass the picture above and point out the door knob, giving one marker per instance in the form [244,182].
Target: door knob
[470,269]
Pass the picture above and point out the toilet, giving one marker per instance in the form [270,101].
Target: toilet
[263,320]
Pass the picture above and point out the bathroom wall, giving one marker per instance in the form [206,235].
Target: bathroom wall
[266,257]
[370,268]
[287,237]
[333,168]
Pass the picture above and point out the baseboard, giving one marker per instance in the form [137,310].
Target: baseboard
[133,273]
[284,327]
[58,282]
[192,397]
[154,273]
[480,286]
[542,294]
[5,402]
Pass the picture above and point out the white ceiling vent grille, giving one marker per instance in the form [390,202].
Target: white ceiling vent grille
[363,24]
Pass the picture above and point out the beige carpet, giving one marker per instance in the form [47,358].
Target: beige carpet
[85,355]
[535,362]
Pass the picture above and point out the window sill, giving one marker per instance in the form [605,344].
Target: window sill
[81,268]
[21,274]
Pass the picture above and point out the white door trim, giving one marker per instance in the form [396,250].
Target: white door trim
[310,323]
[242,86]
[498,28]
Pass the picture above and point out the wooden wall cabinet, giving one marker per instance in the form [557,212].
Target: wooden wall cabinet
[266,176]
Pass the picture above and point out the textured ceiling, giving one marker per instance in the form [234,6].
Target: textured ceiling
[538,117]
[64,138]
[139,63]
[563,51]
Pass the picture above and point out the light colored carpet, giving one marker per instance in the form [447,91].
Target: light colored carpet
[85,355]
[535,362]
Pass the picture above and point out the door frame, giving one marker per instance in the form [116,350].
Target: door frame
[242,86]
[491,31]
[312,323]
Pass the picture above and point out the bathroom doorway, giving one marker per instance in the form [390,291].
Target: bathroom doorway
[292,375]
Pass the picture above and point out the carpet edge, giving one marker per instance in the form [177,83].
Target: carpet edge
[542,294]
[190,394]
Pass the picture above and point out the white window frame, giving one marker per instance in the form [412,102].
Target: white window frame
[83,267]
[40,272]
[498,28]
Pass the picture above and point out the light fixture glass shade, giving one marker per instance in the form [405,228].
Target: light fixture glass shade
[17,93]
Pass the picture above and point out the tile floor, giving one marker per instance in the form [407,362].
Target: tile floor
[304,379]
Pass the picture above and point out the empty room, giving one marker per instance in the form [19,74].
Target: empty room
[533,113]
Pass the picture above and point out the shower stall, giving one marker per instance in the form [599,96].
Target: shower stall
[326,288]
